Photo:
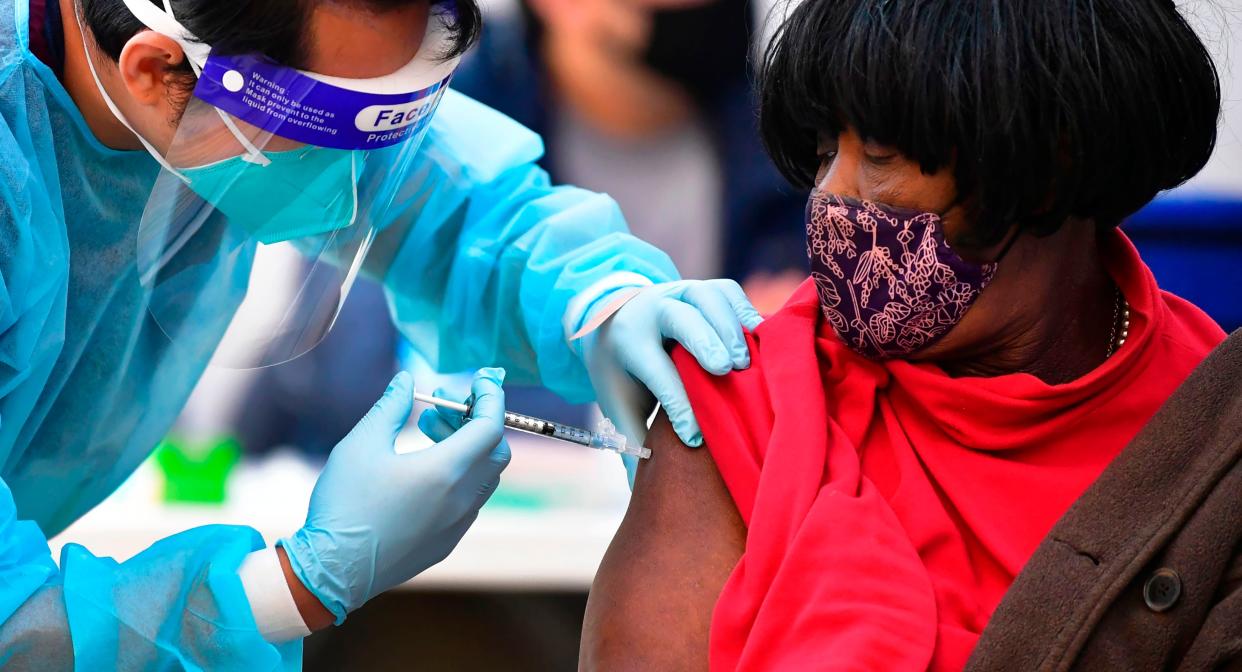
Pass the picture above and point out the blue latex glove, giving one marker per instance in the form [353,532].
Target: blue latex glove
[704,316]
[377,518]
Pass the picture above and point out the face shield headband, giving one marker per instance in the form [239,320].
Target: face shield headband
[276,179]
[305,107]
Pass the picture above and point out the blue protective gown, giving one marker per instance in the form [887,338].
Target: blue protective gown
[479,263]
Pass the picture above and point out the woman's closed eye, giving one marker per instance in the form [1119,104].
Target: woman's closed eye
[879,155]
[825,152]
[826,148]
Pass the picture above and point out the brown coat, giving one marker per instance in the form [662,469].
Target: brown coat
[1145,570]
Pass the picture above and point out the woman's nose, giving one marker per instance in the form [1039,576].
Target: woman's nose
[840,176]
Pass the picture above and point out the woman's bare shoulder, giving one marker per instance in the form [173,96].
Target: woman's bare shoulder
[651,604]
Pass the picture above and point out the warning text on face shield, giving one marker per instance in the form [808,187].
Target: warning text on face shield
[298,107]
[270,98]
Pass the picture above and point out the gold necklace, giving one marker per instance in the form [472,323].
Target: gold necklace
[1121,324]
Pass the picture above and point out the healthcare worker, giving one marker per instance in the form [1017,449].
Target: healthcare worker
[271,127]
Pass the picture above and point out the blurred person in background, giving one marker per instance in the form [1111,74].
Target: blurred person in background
[651,102]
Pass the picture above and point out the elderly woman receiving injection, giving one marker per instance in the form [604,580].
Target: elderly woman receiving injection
[977,342]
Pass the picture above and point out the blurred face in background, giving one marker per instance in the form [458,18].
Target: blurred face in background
[672,55]
[623,25]
[634,69]
[619,25]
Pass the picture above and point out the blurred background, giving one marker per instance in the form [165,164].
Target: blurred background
[649,101]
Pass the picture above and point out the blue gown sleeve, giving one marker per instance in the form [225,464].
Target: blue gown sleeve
[483,256]
[177,605]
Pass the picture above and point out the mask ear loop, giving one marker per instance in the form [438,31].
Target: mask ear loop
[196,52]
[198,58]
[352,275]
[353,167]
[112,107]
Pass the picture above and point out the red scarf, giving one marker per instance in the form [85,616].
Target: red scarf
[889,506]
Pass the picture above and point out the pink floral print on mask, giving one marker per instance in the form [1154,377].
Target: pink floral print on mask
[888,282]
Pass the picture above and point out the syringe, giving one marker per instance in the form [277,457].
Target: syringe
[605,436]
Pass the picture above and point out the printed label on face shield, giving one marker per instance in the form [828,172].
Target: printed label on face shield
[389,118]
[299,107]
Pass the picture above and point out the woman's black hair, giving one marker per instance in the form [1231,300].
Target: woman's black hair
[1044,109]
[275,28]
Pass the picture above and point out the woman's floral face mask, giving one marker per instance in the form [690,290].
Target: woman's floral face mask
[888,282]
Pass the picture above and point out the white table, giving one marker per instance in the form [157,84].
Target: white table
[553,546]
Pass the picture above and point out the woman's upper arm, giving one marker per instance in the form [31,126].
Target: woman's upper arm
[651,604]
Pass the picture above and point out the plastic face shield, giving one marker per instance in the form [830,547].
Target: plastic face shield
[273,190]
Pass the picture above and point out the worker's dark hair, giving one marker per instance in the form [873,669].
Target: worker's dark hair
[1044,109]
[275,28]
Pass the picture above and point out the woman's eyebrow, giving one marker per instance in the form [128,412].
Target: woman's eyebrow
[878,147]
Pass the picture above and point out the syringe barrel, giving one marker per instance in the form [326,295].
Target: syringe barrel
[573,434]
[530,425]
[525,423]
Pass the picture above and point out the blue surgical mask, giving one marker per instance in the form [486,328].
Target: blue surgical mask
[303,192]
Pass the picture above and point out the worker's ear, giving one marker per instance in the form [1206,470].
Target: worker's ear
[148,67]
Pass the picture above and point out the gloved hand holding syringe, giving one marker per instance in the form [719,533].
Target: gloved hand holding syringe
[605,436]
